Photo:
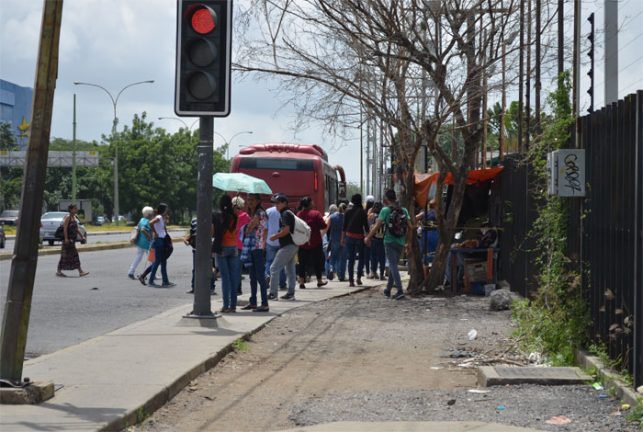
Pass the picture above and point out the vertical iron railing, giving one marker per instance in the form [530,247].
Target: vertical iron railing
[611,224]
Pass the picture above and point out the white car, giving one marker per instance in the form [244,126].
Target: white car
[49,223]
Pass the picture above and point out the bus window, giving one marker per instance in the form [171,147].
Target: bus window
[276,164]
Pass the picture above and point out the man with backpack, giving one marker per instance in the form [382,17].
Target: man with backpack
[398,227]
[287,253]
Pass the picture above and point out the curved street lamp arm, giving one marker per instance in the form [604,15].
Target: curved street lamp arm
[131,85]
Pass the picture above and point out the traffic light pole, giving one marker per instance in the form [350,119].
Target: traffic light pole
[203,259]
[15,321]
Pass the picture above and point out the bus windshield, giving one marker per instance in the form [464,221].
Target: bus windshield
[276,164]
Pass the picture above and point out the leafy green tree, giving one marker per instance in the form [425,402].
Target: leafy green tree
[10,178]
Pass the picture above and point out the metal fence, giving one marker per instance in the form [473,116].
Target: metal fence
[516,218]
[611,225]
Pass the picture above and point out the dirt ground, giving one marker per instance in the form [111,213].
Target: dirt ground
[357,348]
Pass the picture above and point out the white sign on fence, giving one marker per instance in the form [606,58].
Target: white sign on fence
[567,172]
[17,159]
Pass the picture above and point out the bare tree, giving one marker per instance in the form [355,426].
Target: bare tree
[388,57]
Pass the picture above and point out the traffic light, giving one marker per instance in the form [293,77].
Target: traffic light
[590,73]
[203,51]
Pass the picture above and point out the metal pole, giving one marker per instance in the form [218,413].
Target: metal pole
[361,150]
[521,71]
[115,144]
[15,321]
[538,84]
[528,83]
[74,186]
[501,137]
[611,51]
[561,36]
[576,58]
[203,260]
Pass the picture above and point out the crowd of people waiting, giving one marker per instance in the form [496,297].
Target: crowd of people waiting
[352,241]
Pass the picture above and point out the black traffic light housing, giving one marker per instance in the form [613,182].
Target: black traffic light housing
[203,53]
[590,54]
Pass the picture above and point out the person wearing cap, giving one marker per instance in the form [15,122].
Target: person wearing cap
[287,253]
[272,246]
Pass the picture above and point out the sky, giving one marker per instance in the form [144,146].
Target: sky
[116,42]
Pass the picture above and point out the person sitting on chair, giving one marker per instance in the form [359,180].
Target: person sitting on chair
[488,237]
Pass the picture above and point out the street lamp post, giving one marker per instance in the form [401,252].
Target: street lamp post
[114,123]
[229,142]
[182,121]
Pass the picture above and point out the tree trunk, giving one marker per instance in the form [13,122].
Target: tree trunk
[413,254]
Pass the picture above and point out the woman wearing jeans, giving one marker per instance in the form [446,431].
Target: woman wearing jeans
[159,232]
[225,248]
[257,227]
[355,228]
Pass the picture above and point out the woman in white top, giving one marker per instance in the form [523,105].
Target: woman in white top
[159,232]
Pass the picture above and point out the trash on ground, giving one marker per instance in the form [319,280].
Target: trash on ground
[501,408]
[558,420]
[478,391]
[625,407]
[436,367]
[603,396]
[639,389]
[473,333]
[451,402]
[597,386]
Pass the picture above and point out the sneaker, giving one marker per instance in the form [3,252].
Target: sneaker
[272,296]
[321,284]
[382,277]
[341,279]
[131,276]
[169,285]
[359,281]
[190,292]
[302,286]
[387,293]
[331,276]
[261,309]
[249,307]
[141,279]
[372,276]
[399,296]
[288,297]
[153,285]
[351,284]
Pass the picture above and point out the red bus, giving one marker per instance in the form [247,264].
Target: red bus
[296,170]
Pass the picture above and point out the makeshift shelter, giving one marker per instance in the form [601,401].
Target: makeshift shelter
[426,184]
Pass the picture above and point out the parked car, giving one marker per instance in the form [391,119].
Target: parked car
[3,237]
[49,223]
[100,220]
[9,217]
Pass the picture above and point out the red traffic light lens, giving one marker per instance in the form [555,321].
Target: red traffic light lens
[203,20]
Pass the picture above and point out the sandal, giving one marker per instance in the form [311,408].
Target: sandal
[81,274]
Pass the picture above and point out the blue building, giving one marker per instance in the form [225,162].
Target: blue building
[15,109]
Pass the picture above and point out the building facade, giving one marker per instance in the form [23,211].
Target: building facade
[15,109]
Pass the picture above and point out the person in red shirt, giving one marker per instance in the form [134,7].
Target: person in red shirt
[311,254]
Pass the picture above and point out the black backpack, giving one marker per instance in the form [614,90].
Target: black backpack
[397,223]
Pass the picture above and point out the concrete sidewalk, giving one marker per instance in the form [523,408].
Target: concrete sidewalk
[115,380]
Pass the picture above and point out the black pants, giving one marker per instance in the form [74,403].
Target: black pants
[311,258]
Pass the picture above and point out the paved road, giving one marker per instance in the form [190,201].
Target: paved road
[66,311]
[95,238]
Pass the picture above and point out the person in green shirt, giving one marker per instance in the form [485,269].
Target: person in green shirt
[398,229]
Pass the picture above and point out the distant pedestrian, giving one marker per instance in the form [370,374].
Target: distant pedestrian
[337,250]
[224,247]
[398,228]
[238,204]
[272,246]
[190,240]
[287,253]
[355,229]
[311,254]
[161,246]
[370,200]
[378,256]
[255,233]
[69,259]
[143,240]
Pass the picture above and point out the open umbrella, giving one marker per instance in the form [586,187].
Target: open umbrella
[239,182]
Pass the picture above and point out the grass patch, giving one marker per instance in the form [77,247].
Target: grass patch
[241,345]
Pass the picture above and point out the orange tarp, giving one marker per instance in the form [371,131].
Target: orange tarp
[423,182]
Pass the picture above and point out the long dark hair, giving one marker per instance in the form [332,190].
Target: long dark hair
[305,202]
[228,217]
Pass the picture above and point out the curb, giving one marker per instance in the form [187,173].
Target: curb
[167,394]
[83,248]
[611,381]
